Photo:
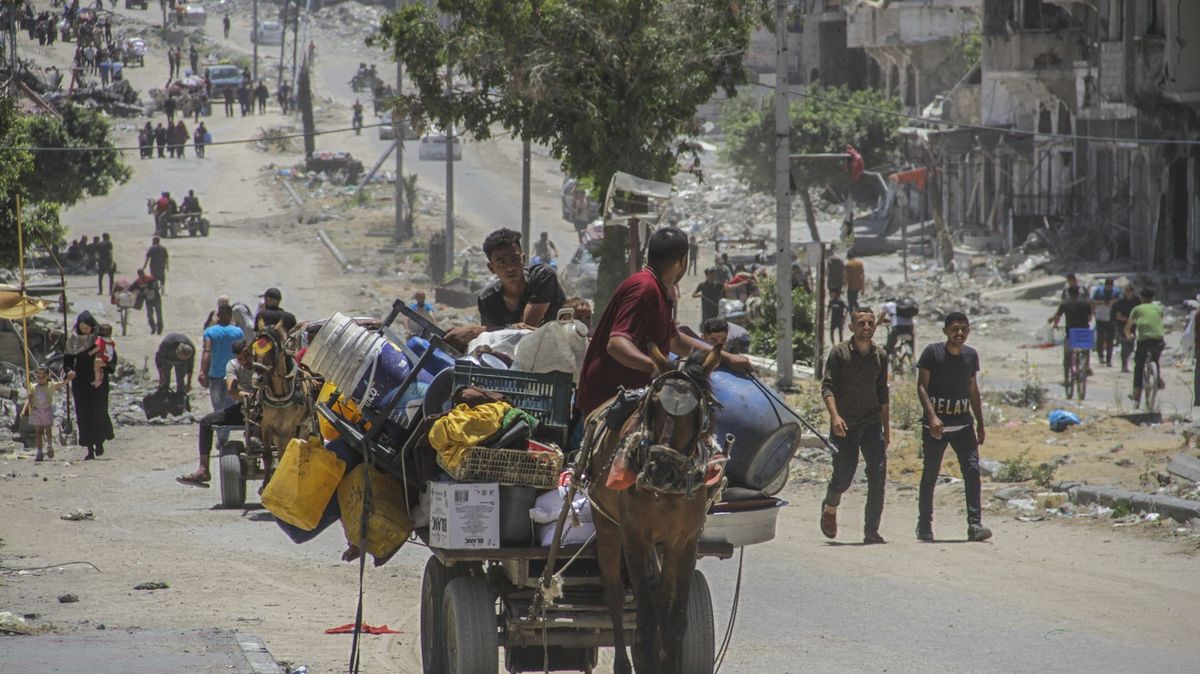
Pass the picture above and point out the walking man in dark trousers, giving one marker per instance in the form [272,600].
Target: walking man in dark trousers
[949,395]
[855,390]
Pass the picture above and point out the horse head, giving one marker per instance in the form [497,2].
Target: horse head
[270,354]
[675,422]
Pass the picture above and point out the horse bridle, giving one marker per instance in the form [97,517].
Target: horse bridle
[291,378]
[662,468]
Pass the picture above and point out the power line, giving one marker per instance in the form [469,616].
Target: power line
[997,129]
[239,141]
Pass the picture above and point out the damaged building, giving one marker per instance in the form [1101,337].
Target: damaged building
[1078,118]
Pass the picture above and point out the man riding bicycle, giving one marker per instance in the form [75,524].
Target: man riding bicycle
[1079,316]
[900,316]
[1147,319]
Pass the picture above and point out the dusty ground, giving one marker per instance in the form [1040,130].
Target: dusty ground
[1134,587]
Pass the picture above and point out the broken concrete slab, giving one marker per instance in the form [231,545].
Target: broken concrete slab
[1185,466]
[1178,509]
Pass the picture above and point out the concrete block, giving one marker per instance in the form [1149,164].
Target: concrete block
[1178,509]
[1185,466]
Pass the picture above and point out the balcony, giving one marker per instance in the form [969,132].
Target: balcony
[1029,51]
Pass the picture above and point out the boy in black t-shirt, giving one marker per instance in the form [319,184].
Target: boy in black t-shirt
[520,295]
[950,396]
[1078,312]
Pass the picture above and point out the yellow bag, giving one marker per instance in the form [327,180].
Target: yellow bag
[343,407]
[388,525]
[302,485]
[464,427]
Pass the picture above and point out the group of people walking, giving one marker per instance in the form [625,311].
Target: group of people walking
[172,139]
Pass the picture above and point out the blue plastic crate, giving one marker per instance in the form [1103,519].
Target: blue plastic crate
[1081,338]
[544,395]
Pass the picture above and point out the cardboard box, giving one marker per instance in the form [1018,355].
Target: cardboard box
[464,516]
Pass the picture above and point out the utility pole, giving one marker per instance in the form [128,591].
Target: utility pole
[526,161]
[403,231]
[783,205]
[449,133]
[295,41]
[254,36]
[283,43]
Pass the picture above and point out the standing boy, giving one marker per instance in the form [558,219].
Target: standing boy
[837,316]
[855,391]
[950,396]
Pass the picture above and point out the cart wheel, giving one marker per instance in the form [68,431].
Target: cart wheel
[433,591]
[233,481]
[469,610]
[699,639]
[778,483]
[204,227]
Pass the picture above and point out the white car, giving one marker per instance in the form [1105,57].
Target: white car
[268,33]
[433,145]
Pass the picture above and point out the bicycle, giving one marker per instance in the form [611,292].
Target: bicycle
[1081,341]
[125,302]
[1150,380]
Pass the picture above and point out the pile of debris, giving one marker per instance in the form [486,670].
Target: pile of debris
[938,295]
[349,19]
[119,98]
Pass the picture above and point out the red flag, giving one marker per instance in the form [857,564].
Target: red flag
[856,163]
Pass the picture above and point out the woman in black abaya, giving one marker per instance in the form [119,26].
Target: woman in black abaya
[91,403]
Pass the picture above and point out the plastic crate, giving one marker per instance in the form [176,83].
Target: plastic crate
[544,395]
[1081,338]
[511,467]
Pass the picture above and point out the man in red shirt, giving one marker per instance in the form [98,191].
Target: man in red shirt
[640,313]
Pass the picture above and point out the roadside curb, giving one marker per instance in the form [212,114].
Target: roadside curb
[1178,509]
[257,655]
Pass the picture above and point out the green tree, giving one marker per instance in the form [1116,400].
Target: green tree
[763,332]
[824,119]
[606,85]
[44,181]
[66,178]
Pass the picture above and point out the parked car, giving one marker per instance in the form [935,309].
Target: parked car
[138,4]
[387,130]
[267,33]
[190,15]
[224,74]
[433,145]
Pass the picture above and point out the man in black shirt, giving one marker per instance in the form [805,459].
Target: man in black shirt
[1120,312]
[525,296]
[104,263]
[710,291]
[950,395]
[157,260]
[855,391]
[1079,316]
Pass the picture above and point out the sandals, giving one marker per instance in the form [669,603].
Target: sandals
[193,480]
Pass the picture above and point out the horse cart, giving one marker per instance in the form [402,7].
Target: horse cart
[173,226]
[543,605]
[242,460]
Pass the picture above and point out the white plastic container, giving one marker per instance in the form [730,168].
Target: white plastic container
[742,528]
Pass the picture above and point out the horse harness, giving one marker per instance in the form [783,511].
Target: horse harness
[294,393]
[661,468]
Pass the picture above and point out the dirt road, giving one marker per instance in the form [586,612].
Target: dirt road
[1044,596]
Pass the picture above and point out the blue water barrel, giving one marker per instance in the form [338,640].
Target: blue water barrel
[765,430]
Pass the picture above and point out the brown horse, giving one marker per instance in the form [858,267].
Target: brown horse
[655,524]
[284,395]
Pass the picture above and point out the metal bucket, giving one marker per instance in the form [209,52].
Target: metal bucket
[356,360]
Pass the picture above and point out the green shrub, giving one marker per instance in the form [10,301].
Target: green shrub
[762,329]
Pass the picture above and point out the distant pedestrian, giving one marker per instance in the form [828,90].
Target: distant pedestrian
[90,392]
[263,95]
[198,139]
[837,316]
[228,93]
[284,94]
[225,25]
[169,107]
[949,395]
[1103,298]
[243,95]
[835,273]
[218,351]
[105,69]
[855,391]
[856,280]
[181,138]
[693,254]
[147,287]
[200,108]
[194,59]
[104,264]
[160,139]
[158,260]
[710,291]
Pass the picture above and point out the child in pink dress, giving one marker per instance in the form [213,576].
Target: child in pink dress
[39,407]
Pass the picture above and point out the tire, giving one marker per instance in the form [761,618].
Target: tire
[700,638]
[233,481]
[1081,375]
[433,631]
[124,321]
[204,227]
[1150,385]
[469,612]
